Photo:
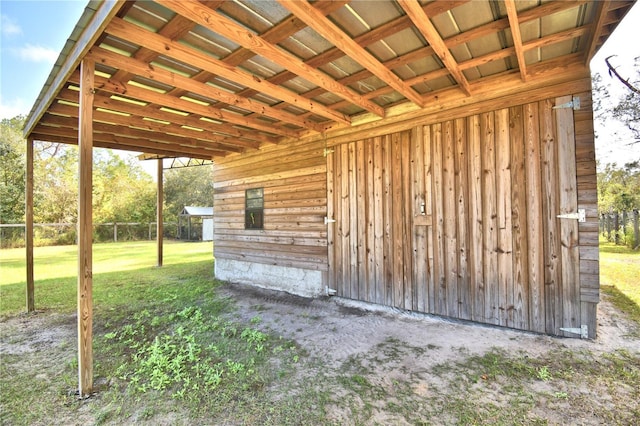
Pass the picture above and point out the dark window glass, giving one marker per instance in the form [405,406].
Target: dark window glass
[254,209]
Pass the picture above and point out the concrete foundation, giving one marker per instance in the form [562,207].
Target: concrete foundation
[302,282]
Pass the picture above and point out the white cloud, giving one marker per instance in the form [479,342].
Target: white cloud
[34,53]
[9,27]
[9,108]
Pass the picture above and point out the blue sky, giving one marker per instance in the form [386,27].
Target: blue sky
[32,34]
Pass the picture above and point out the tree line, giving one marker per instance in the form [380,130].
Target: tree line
[619,185]
[122,190]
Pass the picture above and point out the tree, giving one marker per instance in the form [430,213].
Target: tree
[619,188]
[12,170]
[55,192]
[189,186]
[627,109]
[122,191]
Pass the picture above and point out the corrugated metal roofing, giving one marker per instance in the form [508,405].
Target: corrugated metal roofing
[226,76]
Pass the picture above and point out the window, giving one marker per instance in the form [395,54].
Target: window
[254,209]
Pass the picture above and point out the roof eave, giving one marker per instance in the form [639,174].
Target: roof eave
[91,24]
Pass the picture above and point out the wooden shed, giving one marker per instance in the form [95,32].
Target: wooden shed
[196,223]
[436,156]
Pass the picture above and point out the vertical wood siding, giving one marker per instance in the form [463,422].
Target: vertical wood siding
[455,218]
[458,218]
[294,178]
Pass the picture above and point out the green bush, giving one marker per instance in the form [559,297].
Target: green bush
[628,237]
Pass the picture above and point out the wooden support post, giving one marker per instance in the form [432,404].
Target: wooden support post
[159,224]
[85,230]
[28,237]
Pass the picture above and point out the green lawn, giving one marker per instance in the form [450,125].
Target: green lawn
[620,277]
[164,341]
[55,269]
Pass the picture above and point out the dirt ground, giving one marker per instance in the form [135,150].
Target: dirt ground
[335,332]
[335,329]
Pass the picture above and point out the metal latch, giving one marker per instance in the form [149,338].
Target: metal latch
[328,221]
[581,215]
[574,103]
[583,331]
[327,151]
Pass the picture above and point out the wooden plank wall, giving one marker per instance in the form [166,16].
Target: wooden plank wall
[588,200]
[486,246]
[294,178]
[489,247]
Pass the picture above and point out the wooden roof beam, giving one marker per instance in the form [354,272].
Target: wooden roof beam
[424,25]
[512,14]
[373,36]
[149,96]
[135,67]
[196,137]
[596,32]
[127,31]
[175,29]
[275,34]
[557,37]
[281,31]
[244,138]
[244,37]
[126,142]
[127,126]
[329,31]
[549,8]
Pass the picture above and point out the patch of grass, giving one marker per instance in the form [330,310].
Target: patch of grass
[166,347]
[625,305]
[619,271]
[61,261]
[620,267]
[564,381]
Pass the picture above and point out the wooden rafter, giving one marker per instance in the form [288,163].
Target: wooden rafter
[138,93]
[121,126]
[109,140]
[556,38]
[218,104]
[190,137]
[594,39]
[240,35]
[512,14]
[424,25]
[327,29]
[217,132]
[122,29]
[186,84]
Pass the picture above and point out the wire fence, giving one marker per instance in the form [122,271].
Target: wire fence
[51,234]
[622,227]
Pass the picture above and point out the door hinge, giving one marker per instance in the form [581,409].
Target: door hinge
[328,221]
[574,103]
[327,151]
[581,215]
[583,331]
